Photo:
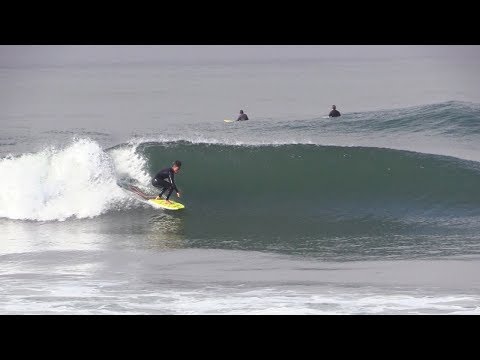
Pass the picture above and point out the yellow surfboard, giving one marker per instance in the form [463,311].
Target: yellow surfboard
[162,203]
[228,120]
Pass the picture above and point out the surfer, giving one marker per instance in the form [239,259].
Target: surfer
[242,116]
[334,112]
[159,181]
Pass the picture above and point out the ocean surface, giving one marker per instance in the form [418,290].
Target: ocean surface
[375,212]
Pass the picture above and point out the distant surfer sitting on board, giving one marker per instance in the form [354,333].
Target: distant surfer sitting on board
[167,173]
[242,116]
[334,112]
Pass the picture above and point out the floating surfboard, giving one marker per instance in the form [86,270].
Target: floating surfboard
[228,120]
[151,200]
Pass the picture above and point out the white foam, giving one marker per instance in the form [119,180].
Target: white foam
[55,184]
[63,298]
[128,162]
[273,301]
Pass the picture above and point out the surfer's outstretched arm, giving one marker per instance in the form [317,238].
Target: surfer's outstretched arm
[171,178]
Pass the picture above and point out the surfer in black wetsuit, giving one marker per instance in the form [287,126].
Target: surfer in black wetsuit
[159,181]
[242,116]
[334,112]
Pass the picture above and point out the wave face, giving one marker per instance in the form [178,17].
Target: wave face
[311,178]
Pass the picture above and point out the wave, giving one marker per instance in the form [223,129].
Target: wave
[252,177]
[313,177]
[451,129]
[449,118]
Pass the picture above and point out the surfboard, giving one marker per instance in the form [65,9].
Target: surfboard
[228,120]
[151,200]
[162,203]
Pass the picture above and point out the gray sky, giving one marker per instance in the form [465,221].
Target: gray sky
[105,54]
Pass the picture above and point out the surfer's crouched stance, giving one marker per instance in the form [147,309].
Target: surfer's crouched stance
[167,173]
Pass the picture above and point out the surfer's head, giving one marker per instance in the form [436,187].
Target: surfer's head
[177,164]
[334,107]
[241,111]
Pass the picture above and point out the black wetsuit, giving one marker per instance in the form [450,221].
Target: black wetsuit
[242,117]
[160,182]
[334,113]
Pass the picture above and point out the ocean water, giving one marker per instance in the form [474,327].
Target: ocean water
[375,212]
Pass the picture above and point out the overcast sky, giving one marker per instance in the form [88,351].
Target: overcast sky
[102,54]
